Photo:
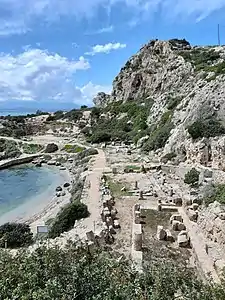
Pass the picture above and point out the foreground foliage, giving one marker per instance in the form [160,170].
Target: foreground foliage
[77,274]
[16,235]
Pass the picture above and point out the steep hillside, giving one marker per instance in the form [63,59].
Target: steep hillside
[180,91]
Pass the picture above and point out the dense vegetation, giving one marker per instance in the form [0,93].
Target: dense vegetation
[192,177]
[17,126]
[79,274]
[159,133]
[16,235]
[66,218]
[132,124]
[9,149]
[209,127]
[218,194]
[31,148]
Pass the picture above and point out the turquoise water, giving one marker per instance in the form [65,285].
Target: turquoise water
[19,184]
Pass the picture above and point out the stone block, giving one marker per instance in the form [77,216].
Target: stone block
[175,225]
[161,233]
[176,217]
[183,239]
[169,236]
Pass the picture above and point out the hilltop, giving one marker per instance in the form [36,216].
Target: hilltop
[173,94]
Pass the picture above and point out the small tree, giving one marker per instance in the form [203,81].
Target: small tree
[192,177]
[16,235]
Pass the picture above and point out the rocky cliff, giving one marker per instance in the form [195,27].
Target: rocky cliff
[186,86]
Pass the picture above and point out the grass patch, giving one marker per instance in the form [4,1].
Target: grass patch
[132,169]
[116,186]
[73,148]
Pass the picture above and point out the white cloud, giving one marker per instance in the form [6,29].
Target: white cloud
[38,75]
[105,29]
[107,48]
[17,16]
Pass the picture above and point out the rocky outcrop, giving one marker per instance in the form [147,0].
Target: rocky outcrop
[182,82]
[101,99]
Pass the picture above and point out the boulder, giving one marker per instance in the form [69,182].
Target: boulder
[38,164]
[177,201]
[58,189]
[62,168]
[58,194]
[161,233]
[175,225]
[181,226]
[183,239]
[169,236]
[50,148]
[63,193]
[66,184]
[195,206]
[116,224]
[176,217]
[193,215]
[51,162]
[58,164]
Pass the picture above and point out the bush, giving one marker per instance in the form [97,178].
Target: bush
[10,149]
[218,194]
[206,128]
[168,156]
[50,148]
[66,218]
[31,148]
[192,177]
[100,137]
[73,148]
[78,274]
[86,153]
[16,234]
[158,138]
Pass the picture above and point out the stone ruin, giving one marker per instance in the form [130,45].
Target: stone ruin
[108,216]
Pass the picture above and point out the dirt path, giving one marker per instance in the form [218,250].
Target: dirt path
[92,198]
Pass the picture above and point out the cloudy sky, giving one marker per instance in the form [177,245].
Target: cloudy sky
[60,53]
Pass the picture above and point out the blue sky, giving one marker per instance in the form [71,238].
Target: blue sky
[60,53]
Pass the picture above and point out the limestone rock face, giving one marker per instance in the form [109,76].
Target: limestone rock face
[212,222]
[101,99]
[168,75]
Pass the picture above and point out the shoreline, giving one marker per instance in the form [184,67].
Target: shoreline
[40,207]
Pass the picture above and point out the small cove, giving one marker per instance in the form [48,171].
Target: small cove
[22,185]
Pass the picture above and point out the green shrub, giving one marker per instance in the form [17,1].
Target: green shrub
[10,149]
[16,234]
[66,218]
[158,138]
[100,137]
[168,156]
[31,148]
[192,177]
[73,148]
[79,274]
[206,128]
[218,194]
[173,102]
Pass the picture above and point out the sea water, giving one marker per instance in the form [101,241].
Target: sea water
[20,184]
